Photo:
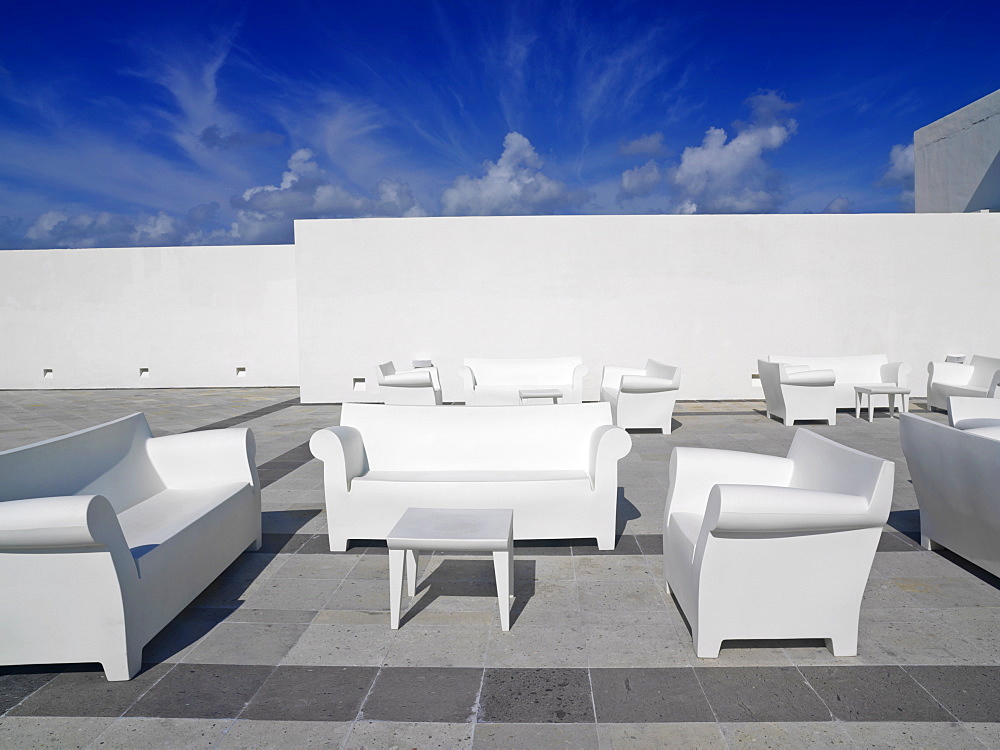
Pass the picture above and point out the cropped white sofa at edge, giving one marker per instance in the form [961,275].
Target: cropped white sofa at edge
[642,398]
[977,415]
[978,378]
[956,476]
[556,467]
[490,382]
[852,370]
[794,392]
[108,533]
[419,386]
[760,546]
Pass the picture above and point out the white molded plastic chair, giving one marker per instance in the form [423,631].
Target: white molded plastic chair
[979,415]
[418,387]
[794,392]
[642,397]
[760,546]
[978,378]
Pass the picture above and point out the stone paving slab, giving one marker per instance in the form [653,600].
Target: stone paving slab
[291,646]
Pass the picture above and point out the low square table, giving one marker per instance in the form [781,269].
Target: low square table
[532,394]
[451,530]
[876,389]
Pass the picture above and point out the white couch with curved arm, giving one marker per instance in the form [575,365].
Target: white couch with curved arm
[793,392]
[759,546]
[642,398]
[557,468]
[492,382]
[955,474]
[855,369]
[106,534]
[978,379]
[416,387]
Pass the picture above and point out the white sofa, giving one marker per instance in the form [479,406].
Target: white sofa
[759,546]
[642,398]
[557,468]
[793,392]
[108,533]
[852,370]
[491,382]
[416,387]
[978,378]
[955,476]
[977,415]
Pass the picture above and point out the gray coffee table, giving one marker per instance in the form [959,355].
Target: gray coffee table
[451,530]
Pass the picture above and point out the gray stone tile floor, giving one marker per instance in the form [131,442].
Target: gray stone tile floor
[291,646]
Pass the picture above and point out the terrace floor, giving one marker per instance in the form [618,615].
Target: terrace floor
[291,646]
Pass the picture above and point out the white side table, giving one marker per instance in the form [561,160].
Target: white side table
[540,393]
[879,390]
[451,530]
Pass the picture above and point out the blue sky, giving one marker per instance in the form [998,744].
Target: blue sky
[221,122]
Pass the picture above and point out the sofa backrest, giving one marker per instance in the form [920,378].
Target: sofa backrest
[849,369]
[554,370]
[971,412]
[983,370]
[109,459]
[822,464]
[481,438]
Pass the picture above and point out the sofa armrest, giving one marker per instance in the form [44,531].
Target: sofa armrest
[695,471]
[206,458]
[645,384]
[760,509]
[409,379]
[950,373]
[816,378]
[608,444]
[68,521]
[342,451]
[897,373]
[578,372]
[468,380]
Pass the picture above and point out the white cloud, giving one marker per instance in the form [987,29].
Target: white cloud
[650,144]
[901,173]
[639,181]
[265,213]
[513,185]
[839,205]
[725,175]
[106,229]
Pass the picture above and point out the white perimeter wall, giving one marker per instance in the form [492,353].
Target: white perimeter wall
[709,293]
[191,315]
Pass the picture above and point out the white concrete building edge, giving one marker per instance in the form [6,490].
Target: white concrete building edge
[957,159]
[148,317]
[713,293]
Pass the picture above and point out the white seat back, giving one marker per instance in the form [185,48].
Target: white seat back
[822,464]
[854,368]
[983,370]
[487,438]
[109,459]
[512,372]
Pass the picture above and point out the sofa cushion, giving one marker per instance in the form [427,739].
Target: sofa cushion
[473,476]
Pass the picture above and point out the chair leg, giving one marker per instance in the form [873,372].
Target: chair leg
[845,644]
[338,543]
[706,647]
[123,666]
[927,543]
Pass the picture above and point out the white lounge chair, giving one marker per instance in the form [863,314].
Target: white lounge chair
[793,392]
[760,546]
[416,387]
[642,397]
[977,379]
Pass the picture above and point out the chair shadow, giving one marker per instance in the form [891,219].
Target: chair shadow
[626,512]
[471,578]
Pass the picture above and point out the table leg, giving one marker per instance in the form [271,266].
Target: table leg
[857,405]
[892,404]
[871,409]
[411,572]
[395,586]
[503,566]
[906,403]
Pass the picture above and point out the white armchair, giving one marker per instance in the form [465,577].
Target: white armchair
[642,398]
[418,387]
[760,546]
[793,392]
[978,379]
[978,415]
